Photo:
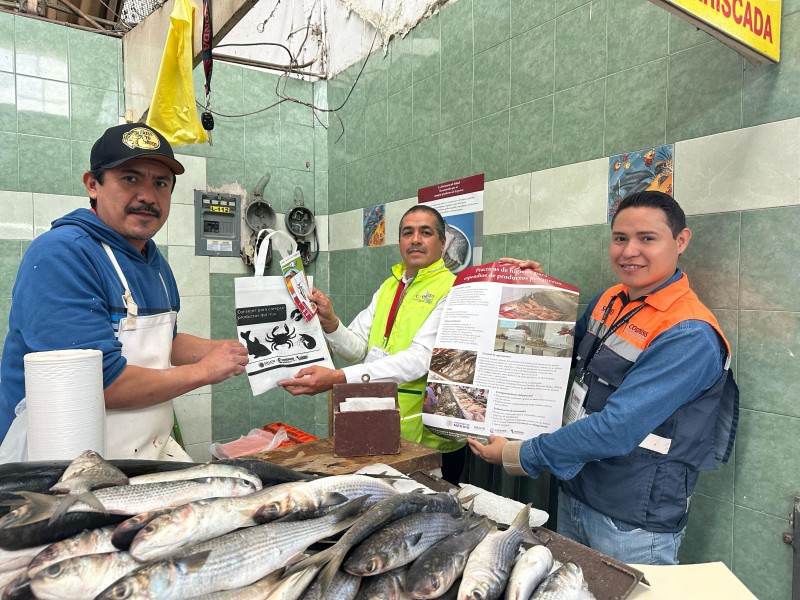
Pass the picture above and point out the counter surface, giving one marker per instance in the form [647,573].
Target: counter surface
[318,457]
[690,582]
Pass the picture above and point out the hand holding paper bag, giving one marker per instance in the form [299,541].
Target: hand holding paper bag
[279,340]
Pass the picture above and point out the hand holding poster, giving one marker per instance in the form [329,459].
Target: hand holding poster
[502,356]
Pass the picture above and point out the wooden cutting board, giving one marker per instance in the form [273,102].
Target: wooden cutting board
[318,457]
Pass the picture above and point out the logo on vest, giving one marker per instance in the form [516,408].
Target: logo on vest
[425,297]
[637,331]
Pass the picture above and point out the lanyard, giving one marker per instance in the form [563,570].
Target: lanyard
[398,300]
[598,343]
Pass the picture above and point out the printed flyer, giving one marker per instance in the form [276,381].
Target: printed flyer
[460,202]
[502,356]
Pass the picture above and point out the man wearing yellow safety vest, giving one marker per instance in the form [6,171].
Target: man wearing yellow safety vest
[395,334]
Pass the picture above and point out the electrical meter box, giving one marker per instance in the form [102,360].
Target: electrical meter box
[217,223]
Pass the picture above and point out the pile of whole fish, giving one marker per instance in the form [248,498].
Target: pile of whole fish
[249,529]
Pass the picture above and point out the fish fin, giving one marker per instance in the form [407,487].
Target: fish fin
[329,571]
[12,503]
[70,499]
[469,498]
[330,499]
[522,523]
[193,562]
[323,557]
[534,539]
[412,539]
[41,507]
[351,508]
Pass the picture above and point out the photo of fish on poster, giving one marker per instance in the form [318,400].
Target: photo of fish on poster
[460,202]
[648,169]
[375,225]
[453,365]
[456,401]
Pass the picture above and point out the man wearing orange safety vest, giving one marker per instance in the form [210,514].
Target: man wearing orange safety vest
[653,402]
[394,335]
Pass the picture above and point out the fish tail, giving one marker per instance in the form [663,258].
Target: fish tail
[325,577]
[86,497]
[328,556]
[40,507]
[522,523]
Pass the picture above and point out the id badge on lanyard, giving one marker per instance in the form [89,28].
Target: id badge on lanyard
[374,354]
[575,406]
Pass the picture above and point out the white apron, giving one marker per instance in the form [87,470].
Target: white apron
[146,342]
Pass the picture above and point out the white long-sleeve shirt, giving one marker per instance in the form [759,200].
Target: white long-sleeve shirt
[351,343]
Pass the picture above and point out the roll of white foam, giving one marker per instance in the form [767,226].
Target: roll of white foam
[66,408]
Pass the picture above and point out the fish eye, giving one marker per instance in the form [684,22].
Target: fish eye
[150,528]
[434,582]
[374,565]
[53,569]
[121,590]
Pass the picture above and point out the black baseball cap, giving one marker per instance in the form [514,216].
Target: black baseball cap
[122,143]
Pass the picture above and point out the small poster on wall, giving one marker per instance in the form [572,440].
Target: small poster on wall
[648,169]
[375,225]
[460,202]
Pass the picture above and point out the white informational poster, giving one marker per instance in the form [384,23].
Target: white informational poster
[502,356]
[460,202]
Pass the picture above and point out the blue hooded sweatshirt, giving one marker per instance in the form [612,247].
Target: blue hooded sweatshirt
[67,295]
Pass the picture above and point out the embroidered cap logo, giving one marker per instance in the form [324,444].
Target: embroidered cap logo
[141,137]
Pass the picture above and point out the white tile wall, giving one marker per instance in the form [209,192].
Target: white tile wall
[195,315]
[181,225]
[16,216]
[346,230]
[193,179]
[194,417]
[569,196]
[322,232]
[223,264]
[394,213]
[49,207]
[506,203]
[757,167]
[191,272]
[199,452]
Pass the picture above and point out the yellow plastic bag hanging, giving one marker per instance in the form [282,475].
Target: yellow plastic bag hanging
[172,110]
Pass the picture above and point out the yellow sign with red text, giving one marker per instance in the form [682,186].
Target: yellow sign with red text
[752,25]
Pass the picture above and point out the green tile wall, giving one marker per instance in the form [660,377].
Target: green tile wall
[57,86]
[567,81]
[505,87]
[605,77]
[60,88]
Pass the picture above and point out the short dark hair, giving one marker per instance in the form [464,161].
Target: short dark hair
[100,176]
[673,213]
[440,226]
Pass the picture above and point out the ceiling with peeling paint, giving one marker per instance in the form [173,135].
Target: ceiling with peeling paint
[322,37]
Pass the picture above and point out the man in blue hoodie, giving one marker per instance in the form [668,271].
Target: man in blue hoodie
[96,280]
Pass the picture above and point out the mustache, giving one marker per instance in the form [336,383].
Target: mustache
[417,248]
[143,208]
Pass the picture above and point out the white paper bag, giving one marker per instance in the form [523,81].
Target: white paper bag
[269,324]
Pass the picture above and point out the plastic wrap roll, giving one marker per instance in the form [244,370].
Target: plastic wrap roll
[66,408]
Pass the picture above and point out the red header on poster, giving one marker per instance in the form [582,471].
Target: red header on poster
[509,274]
[456,187]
